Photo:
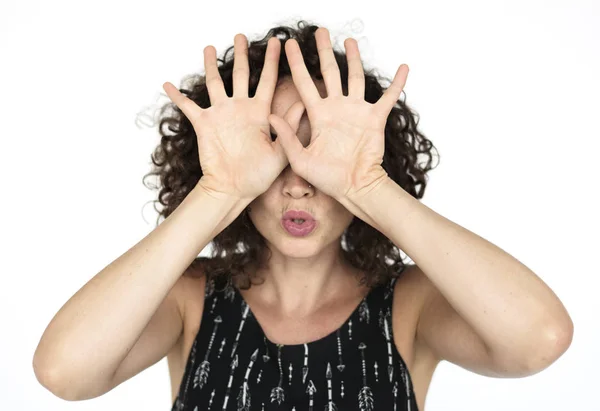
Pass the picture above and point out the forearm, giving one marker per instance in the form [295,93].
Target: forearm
[94,330]
[494,292]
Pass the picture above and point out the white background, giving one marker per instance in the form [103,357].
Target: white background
[507,91]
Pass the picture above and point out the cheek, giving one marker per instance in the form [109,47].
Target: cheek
[340,218]
[262,211]
[261,224]
[341,212]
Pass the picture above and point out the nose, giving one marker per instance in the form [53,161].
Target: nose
[295,186]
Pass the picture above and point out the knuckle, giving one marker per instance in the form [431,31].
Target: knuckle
[240,70]
[214,79]
[330,67]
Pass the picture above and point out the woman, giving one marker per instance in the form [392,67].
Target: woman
[306,302]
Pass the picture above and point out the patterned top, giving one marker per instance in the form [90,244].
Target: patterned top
[233,366]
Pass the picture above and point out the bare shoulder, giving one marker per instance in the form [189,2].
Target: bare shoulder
[192,300]
[411,291]
[190,296]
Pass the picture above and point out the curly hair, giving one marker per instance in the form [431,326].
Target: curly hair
[177,166]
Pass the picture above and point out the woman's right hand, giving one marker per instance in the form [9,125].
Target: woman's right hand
[237,155]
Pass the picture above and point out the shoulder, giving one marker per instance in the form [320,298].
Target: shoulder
[191,295]
[188,292]
[411,291]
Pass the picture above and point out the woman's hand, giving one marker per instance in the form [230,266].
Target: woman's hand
[346,148]
[237,155]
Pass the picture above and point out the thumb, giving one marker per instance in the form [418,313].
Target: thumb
[286,129]
[294,114]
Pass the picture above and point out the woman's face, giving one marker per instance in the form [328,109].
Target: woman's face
[291,192]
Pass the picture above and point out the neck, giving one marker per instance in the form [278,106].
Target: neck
[298,287]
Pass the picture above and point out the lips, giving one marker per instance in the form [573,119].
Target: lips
[298,215]
[298,223]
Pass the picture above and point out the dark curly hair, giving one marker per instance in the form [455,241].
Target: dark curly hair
[176,164]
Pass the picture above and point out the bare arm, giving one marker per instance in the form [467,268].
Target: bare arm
[92,334]
[132,299]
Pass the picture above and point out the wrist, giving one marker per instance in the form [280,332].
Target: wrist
[367,191]
[207,188]
[224,208]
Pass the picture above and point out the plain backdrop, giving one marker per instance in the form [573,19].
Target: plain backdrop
[507,91]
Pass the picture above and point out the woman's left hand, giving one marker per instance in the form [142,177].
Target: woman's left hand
[345,152]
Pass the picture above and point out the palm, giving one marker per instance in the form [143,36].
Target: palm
[235,149]
[347,133]
[237,130]
[341,146]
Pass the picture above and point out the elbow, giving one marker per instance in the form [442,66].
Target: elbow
[71,388]
[555,341]
[68,385]
[536,353]
[52,380]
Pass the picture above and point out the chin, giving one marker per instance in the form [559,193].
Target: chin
[299,247]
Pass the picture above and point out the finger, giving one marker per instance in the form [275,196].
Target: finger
[189,108]
[214,82]
[288,141]
[329,67]
[281,156]
[241,72]
[268,76]
[302,79]
[389,98]
[294,115]
[356,74]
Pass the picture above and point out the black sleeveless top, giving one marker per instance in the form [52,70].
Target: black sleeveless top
[233,366]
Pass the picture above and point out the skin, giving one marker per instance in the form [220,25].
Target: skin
[460,300]
[313,264]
